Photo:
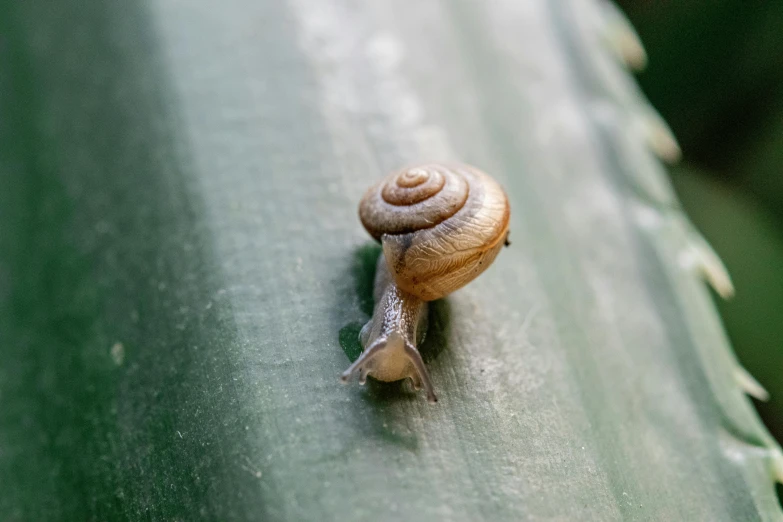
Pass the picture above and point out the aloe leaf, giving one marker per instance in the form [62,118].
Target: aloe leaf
[745,234]
[179,252]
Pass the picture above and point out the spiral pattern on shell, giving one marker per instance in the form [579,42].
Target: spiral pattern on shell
[440,225]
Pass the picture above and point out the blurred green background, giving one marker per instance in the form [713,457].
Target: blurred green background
[715,73]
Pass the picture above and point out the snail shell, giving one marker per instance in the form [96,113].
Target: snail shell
[440,225]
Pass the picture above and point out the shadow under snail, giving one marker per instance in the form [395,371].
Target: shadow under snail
[440,225]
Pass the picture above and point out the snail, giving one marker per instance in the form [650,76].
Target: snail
[440,226]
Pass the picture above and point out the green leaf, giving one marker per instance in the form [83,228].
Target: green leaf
[746,237]
[178,257]
[758,166]
[715,72]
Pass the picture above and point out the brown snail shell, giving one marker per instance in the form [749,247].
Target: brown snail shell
[441,225]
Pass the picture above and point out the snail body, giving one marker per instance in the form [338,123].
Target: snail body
[440,227]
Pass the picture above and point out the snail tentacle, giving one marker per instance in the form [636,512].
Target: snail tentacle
[424,377]
[359,364]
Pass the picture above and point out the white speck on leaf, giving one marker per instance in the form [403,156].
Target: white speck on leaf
[118,353]
[250,468]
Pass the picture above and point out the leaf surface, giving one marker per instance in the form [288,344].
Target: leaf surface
[179,251]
